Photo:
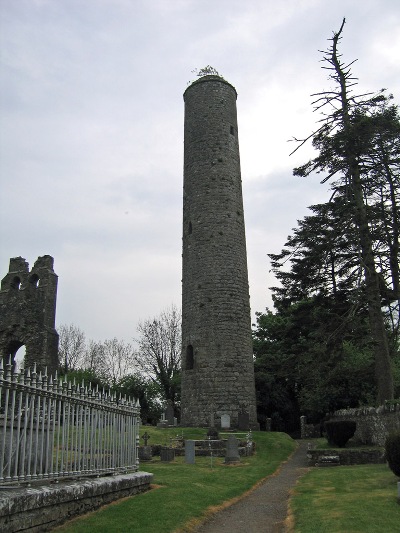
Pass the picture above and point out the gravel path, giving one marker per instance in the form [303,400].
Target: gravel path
[265,509]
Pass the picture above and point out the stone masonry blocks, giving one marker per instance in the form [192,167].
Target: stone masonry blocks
[217,361]
[28,312]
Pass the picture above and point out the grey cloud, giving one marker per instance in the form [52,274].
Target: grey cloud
[91,147]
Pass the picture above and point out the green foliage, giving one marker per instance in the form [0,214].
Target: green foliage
[333,341]
[322,255]
[312,357]
[274,373]
[206,71]
[339,432]
[392,452]
[146,391]
[85,376]
[134,386]
[358,144]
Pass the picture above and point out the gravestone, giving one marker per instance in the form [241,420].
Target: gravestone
[163,423]
[145,453]
[190,452]
[169,415]
[145,438]
[232,450]
[225,421]
[212,433]
[243,421]
[167,454]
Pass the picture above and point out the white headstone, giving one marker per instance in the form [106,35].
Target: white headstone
[225,421]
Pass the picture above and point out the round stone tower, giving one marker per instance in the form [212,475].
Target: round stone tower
[217,359]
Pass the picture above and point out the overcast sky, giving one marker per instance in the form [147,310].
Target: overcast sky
[91,147]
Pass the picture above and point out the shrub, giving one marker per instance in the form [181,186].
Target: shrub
[213,433]
[155,449]
[339,432]
[392,452]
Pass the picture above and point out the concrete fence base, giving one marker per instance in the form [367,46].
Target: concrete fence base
[43,507]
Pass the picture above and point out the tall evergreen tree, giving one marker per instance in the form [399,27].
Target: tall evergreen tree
[358,145]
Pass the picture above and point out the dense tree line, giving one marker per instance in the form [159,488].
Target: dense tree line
[333,340]
[148,371]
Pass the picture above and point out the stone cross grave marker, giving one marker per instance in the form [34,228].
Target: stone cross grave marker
[145,451]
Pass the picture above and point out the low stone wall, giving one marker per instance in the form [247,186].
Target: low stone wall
[41,508]
[373,424]
[348,457]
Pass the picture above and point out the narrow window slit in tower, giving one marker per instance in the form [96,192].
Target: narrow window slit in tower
[189,357]
[190,228]
[232,130]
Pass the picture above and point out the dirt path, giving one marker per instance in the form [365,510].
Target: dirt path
[265,509]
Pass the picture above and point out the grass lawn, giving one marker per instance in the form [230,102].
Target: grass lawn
[346,499]
[185,493]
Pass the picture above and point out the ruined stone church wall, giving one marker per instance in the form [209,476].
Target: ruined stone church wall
[28,312]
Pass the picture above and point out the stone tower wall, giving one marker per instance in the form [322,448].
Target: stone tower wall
[28,312]
[217,361]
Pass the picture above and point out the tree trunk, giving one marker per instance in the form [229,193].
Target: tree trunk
[383,367]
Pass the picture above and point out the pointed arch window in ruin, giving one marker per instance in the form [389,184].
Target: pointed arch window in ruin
[34,280]
[16,283]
